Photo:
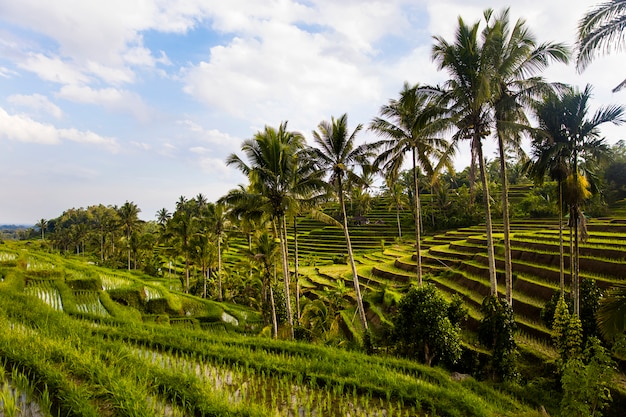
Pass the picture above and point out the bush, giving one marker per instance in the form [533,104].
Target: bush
[586,380]
[422,327]
[495,332]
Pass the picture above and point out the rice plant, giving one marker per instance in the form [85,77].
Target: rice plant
[88,302]
[7,256]
[46,292]
[113,282]
[152,293]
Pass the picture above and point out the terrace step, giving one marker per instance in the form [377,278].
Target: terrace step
[525,313]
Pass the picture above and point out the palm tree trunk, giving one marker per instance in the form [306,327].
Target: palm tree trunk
[398,221]
[295,264]
[355,276]
[285,259]
[186,273]
[508,264]
[219,266]
[274,322]
[561,249]
[205,273]
[576,279]
[472,174]
[418,237]
[490,251]
[571,253]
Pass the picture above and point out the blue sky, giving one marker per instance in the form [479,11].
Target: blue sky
[103,102]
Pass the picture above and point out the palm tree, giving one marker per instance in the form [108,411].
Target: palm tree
[411,124]
[571,153]
[129,216]
[306,190]
[163,215]
[611,314]
[272,156]
[600,31]
[217,223]
[264,254]
[337,154]
[395,191]
[204,252]
[468,96]
[550,152]
[41,225]
[181,228]
[516,57]
[588,149]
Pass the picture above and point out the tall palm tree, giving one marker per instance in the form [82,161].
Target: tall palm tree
[306,191]
[587,150]
[272,156]
[468,96]
[336,153]
[395,191]
[129,217]
[204,253]
[163,215]
[411,124]
[550,157]
[181,228]
[516,57]
[41,225]
[571,153]
[263,254]
[217,223]
[600,31]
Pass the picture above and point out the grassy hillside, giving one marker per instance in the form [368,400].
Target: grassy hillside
[78,340]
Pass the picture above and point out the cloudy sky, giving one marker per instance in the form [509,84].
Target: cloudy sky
[142,100]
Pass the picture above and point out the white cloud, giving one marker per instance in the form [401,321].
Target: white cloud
[210,136]
[6,73]
[216,167]
[104,32]
[141,145]
[141,56]
[285,71]
[110,98]
[36,102]
[109,74]
[22,128]
[54,69]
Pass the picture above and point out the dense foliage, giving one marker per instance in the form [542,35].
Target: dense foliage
[426,326]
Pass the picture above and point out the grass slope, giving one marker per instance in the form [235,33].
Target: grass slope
[117,359]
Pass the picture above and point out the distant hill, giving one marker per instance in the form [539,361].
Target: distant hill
[12,227]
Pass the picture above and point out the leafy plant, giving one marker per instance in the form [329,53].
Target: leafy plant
[586,380]
[422,326]
[495,332]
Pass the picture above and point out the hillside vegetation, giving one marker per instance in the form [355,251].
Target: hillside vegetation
[79,340]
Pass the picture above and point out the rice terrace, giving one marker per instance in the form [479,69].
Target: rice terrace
[346,279]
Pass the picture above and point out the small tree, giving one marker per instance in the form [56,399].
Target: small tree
[422,326]
[566,332]
[590,296]
[495,332]
[586,380]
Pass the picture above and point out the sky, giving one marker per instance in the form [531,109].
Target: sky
[103,102]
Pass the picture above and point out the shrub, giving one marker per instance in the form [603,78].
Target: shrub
[495,332]
[422,327]
[586,380]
